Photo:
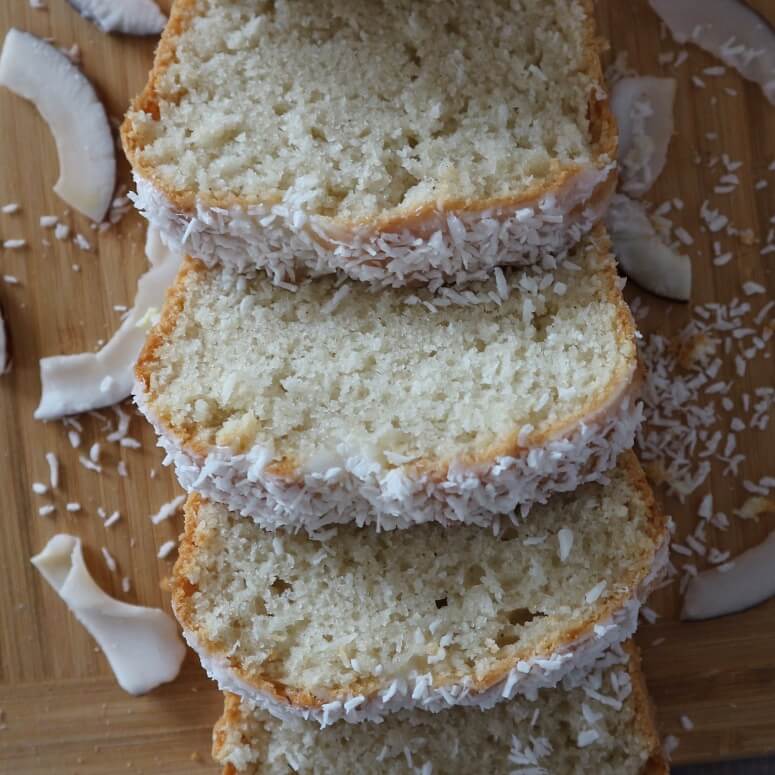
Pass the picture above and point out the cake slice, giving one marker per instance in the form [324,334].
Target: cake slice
[604,726]
[326,403]
[366,623]
[397,141]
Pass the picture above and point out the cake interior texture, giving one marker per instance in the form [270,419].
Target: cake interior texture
[563,732]
[395,376]
[375,108]
[349,615]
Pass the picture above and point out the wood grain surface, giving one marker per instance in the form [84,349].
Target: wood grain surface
[61,709]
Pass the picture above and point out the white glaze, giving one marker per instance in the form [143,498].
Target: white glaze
[141,644]
[286,241]
[362,490]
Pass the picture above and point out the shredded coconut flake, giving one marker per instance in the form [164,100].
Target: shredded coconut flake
[168,509]
[565,540]
[166,549]
[109,559]
[596,591]
[53,469]
[587,737]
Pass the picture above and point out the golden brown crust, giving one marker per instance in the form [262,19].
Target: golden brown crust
[602,128]
[645,718]
[229,720]
[182,591]
[147,101]
[625,383]
[174,304]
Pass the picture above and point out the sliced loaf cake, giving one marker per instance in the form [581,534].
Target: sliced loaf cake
[397,141]
[604,726]
[367,623]
[317,405]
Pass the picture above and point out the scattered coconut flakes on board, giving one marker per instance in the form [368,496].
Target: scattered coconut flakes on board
[35,70]
[747,582]
[688,412]
[141,644]
[643,107]
[642,254]
[728,29]
[79,383]
[129,17]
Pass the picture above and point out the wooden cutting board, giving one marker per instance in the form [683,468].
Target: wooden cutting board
[61,709]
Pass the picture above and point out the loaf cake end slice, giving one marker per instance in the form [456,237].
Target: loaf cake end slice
[367,623]
[564,731]
[396,141]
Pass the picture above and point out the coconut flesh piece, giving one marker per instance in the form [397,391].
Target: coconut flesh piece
[749,581]
[5,345]
[644,111]
[141,644]
[130,17]
[642,254]
[86,381]
[729,30]
[35,70]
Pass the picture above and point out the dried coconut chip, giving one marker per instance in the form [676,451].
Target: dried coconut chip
[37,71]
[746,582]
[80,383]
[130,17]
[141,644]
[644,111]
[728,29]
[643,256]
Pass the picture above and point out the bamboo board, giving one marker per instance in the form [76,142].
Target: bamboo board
[61,709]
